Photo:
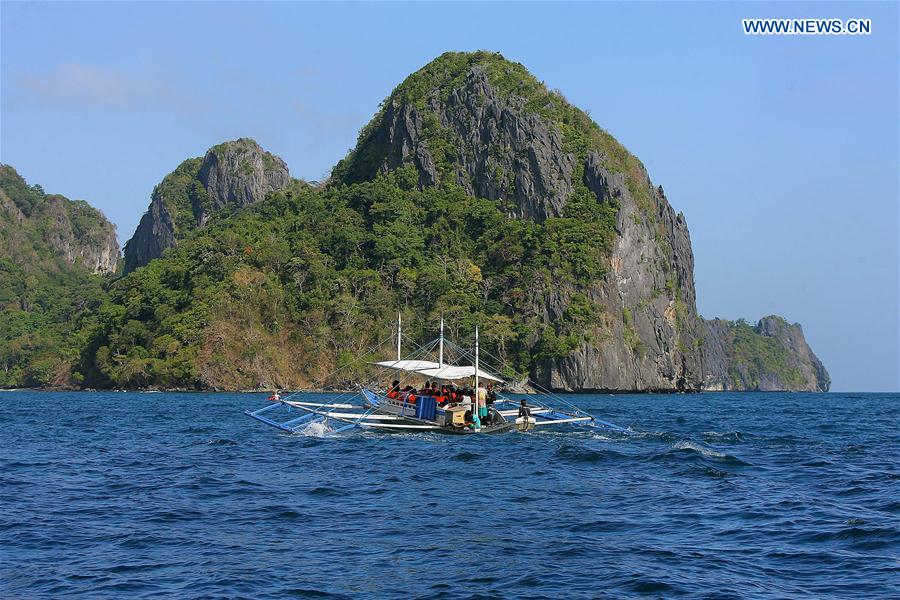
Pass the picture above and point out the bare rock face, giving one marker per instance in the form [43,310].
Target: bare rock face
[154,234]
[499,150]
[500,136]
[651,341]
[771,356]
[717,346]
[232,174]
[239,173]
[96,249]
[72,230]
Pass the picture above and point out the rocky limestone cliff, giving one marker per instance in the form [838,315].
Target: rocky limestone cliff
[37,225]
[154,234]
[487,125]
[239,173]
[232,174]
[771,356]
[492,135]
[651,340]
[94,247]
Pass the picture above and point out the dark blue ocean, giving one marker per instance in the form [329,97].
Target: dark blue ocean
[131,495]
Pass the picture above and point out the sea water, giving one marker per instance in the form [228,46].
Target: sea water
[715,496]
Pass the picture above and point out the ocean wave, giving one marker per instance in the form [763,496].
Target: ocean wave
[717,473]
[707,452]
[661,436]
[691,448]
[652,586]
[222,442]
[325,491]
[861,538]
[196,429]
[466,456]
[574,454]
[727,437]
[173,516]
[301,592]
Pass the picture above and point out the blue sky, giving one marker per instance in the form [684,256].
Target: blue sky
[781,151]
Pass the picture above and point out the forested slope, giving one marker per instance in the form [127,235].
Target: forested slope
[54,254]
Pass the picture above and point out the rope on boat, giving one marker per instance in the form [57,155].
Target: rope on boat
[404,376]
[346,395]
[578,410]
[341,368]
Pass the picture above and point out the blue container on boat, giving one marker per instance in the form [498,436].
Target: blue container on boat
[426,406]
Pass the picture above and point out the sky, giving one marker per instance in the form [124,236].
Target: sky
[782,151]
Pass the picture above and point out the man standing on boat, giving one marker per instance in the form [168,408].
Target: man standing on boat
[481,396]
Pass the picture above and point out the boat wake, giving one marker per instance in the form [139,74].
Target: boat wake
[318,429]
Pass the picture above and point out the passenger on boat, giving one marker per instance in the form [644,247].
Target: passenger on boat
[524,411]
[275,397]
[409,394]
[451,394]
[441,395]
[481,394]
[491,395]
[394,391]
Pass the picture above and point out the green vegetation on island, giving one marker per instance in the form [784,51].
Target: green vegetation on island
[293,285]
[771,355]
[756,356]
[49,248]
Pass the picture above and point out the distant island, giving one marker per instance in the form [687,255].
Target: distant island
[475,193]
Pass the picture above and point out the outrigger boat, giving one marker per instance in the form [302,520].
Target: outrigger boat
[373,407]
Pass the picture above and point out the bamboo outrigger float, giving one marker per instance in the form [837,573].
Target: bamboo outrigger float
[368,408]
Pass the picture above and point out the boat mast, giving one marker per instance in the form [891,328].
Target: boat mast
[441,352]
[477,408]
[399,333]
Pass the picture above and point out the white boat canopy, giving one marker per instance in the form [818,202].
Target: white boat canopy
[452,373]
[432,369]
[409,365]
